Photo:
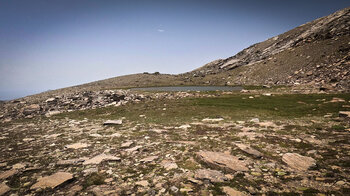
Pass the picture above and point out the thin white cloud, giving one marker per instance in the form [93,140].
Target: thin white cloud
[160,30]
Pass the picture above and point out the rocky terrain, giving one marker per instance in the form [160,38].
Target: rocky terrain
[286,133]
[292,146]
[316,53]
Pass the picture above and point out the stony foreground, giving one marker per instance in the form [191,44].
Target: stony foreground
[206,156]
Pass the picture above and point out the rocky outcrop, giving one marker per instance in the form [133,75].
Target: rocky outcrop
[67,102]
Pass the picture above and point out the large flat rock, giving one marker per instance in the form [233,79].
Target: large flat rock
[249,150]
[4,189]
[298,162]
[222,161]
[53,181]
[8,173]
[100,158]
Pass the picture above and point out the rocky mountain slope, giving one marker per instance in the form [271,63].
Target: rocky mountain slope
[315,53]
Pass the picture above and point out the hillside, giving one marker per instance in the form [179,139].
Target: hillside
[316,53]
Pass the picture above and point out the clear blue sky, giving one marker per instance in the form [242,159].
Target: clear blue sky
[50,44]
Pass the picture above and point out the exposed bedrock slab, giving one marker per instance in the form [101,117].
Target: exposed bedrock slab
[53,181]
[222,161]
[298,162]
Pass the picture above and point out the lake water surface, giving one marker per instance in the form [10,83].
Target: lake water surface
[190,88]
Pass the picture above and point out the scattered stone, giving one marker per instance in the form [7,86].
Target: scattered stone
[77,145]
[149,159]
[70,162]
[249,150]
[168,165]
[50,100]
[90,171]
[255,120]
[115,135]
[298,162]
[95,135]
[75,189]
[267,124]
[212,119]
[113,122]
[19,166]
[53,180]
[99,158]
[8,173]
[159,130]
[51,113]
[143,183]
[232,192]
[212,175]
[174,189]
[185,127]
[53,135]
[344,113]
[186,190]
[223,161]
[126,144]
[28,139]
[336,99]
[250,135]
[130,150]
[4,189]
[340,183]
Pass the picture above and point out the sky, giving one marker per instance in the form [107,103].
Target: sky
[51,44]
